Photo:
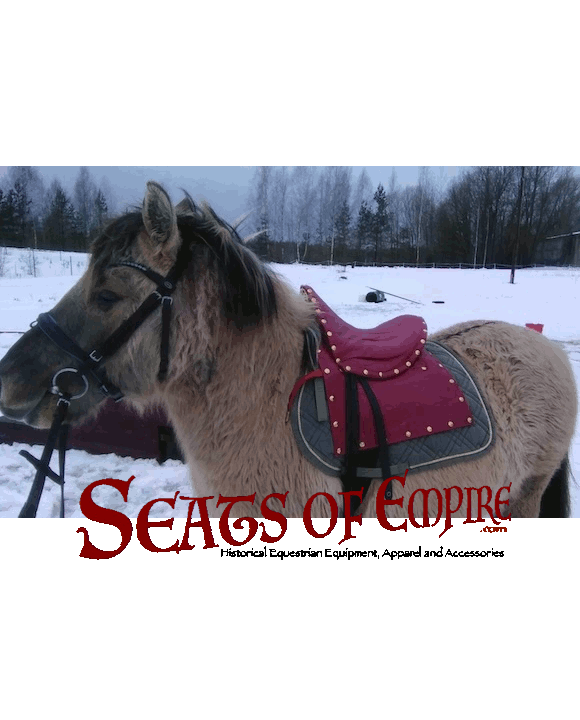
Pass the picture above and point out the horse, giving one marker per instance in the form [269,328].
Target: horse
[232,354]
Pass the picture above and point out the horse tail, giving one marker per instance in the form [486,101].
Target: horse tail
[556,498]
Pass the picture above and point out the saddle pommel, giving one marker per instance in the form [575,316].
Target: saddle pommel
[385,351]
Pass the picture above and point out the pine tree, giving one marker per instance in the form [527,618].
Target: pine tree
[380,220]
[8,222]
[342,232]
[100,210]
[364,230]
[61,225]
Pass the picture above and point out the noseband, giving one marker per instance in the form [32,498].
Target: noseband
[91,365]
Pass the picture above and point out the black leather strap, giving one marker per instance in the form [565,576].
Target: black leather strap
[351,478]
[56,435]
[89,362]
[381,435]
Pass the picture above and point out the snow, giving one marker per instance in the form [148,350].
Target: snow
[541,295]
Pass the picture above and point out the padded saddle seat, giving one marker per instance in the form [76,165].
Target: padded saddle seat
[380,352]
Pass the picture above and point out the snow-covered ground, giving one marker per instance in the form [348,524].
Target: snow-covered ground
[30,285]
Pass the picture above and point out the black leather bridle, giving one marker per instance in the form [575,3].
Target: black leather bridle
[91,365]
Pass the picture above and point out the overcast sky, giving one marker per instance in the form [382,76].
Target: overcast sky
[226,188]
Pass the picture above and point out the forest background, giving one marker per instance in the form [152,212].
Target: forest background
[484,216]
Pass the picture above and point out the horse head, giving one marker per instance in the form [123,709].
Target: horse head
[219,286]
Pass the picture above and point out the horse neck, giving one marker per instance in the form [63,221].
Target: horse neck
[225,429]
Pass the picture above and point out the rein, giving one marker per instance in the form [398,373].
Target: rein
[90,364]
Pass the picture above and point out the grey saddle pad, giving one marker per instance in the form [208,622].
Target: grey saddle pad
[310,424]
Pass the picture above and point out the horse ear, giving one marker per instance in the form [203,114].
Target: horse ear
[183,207]
[159,215]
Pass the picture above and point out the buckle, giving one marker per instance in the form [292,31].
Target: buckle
[115,395]
[95,357]
[163,298]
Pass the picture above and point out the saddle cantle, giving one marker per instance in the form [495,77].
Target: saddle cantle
[385,387]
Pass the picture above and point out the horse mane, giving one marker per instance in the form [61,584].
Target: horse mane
[245,285]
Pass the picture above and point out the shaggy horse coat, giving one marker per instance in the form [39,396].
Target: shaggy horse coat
[236,351]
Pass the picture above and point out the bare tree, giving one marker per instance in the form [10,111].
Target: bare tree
[363,192]
[303,194]
[260,190]
[84,195]
[278,203]
[334,188]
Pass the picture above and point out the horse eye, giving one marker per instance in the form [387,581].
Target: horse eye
[106,298]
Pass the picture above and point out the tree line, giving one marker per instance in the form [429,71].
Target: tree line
[32,215]
[325,215]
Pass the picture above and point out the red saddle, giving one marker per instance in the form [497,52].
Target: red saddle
[417,396]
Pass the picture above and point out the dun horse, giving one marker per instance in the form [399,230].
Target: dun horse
[234,350]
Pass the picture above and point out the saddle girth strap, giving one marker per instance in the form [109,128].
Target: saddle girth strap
[350,479]
[381,431]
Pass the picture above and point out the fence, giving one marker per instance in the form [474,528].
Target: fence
[432,265]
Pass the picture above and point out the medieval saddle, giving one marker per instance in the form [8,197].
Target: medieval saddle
[385,400]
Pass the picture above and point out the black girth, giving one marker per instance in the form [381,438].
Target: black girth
[90,364]
[349,478]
